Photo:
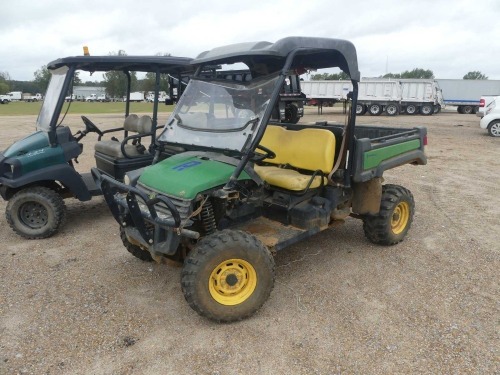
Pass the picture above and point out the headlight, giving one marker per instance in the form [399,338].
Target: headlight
[126,179]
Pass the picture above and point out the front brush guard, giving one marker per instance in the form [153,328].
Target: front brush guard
[126,210]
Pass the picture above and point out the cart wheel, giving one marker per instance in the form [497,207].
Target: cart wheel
[392,223]
[36,212]
[135,250]
[228,276]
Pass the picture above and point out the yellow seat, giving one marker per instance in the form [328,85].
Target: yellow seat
[306,149]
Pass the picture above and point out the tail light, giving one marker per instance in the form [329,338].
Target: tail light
[482,103]
[425,140]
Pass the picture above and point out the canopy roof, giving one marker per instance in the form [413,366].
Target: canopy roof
[265,57]
[166,64]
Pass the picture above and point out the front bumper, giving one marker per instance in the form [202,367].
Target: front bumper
[137,213]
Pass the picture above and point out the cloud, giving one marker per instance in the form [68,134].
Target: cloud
[448,38]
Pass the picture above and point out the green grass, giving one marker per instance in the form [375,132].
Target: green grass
[22,108]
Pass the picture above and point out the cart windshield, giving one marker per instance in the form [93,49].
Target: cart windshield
[219,114]
[51,98]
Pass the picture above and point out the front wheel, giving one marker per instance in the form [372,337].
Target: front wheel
[228,276]
[392,223]
[135,250]
[494,128]
[36,212]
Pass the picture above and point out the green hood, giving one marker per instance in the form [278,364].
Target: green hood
[186,175]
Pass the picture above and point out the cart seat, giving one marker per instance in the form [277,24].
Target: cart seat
[133,124]
[303,157]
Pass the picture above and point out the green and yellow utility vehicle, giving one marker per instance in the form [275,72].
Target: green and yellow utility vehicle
[242,187]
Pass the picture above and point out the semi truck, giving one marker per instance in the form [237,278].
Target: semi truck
[466,93]
[376,96]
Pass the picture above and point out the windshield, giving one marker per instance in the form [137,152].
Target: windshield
[51,98]
[219,113]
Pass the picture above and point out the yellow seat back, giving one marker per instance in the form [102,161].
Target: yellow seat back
[308,149]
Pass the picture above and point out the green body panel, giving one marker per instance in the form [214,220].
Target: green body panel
[34,152]
[185,176]
[373,158]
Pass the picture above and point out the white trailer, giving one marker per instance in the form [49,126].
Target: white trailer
[466,93]
[376,97]
[137,96]
[326,92]
[15,95]
[420,96]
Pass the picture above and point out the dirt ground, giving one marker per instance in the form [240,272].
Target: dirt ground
[78,303]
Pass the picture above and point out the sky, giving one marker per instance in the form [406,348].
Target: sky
[451,38]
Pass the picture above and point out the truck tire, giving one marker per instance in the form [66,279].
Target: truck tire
[360,109]
[228,276]
[291,114]
[411,109]
[427,109]
[135,250]
[437,108]
[374,109]
[392,223]
[392,109]
[36,212]
[467,109]
[494,128]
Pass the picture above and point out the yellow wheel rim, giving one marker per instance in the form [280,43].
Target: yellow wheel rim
[400,217]
[232,282]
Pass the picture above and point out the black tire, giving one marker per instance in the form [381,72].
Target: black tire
[392,109]
[494,128]
[374,109]
[411,109]
[427,109]
[392,223]
[291,114]
[467,109]
[228,276]
[135,250]
[437,109]
[460,109]
[475,109]
[36,212]
[360,109]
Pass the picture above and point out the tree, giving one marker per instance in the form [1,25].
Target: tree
[415,73]
[330,76]
[42,79]
[116,82]
[4,82]
[475,75]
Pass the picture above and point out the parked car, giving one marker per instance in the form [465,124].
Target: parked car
[486,104]
[491,121]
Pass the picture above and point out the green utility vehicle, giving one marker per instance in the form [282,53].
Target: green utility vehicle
[243,187]
[37,172]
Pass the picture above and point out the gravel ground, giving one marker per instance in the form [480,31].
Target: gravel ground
[78,303]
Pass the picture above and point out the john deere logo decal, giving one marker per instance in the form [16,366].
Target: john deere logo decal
[186,165]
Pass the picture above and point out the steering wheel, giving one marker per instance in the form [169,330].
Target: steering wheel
[267,155]
[91,127]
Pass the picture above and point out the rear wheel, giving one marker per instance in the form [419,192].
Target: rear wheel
[494,128]
[360,109]
[392,109]
[228,276]
[374,109]
[467,109]
[411,109]
[392,223]
[135,250]
[36,212]
[427,109]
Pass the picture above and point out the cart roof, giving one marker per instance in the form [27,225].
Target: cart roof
[266,57]
[167,64]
